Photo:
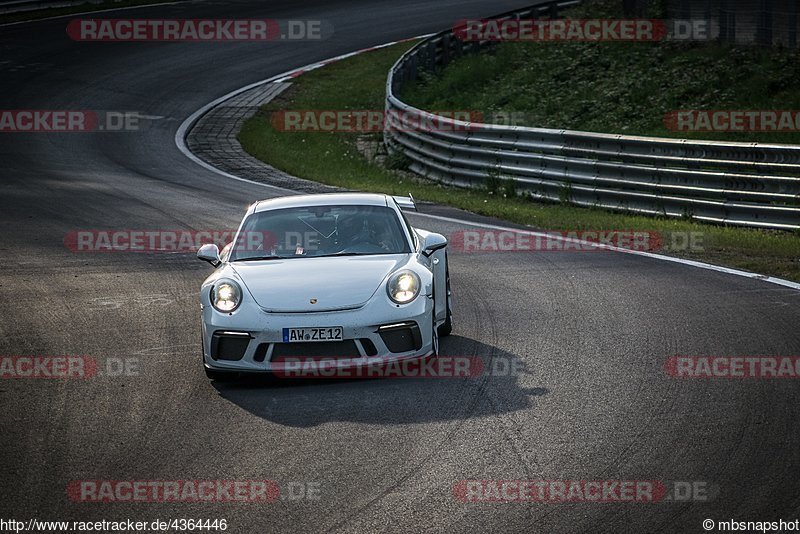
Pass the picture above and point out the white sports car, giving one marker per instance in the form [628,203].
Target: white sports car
[342,277]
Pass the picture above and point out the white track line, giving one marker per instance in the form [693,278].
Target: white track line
[180,141]
[183,130]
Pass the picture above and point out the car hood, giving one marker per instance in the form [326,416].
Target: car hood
[335,283]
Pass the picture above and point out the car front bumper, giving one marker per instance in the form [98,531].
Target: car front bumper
[251,339]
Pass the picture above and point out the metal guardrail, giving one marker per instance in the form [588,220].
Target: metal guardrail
[749,184]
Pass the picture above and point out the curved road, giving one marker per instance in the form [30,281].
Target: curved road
[591,332]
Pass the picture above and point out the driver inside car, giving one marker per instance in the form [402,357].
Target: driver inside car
[351,231]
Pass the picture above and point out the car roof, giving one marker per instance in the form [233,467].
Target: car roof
[325,199]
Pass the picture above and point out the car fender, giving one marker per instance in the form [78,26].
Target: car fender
[437,264]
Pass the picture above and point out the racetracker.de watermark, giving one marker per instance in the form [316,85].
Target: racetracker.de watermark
[488,241]
[65,121]
[178,240]
[588,491]
[198,30]
[733,367]
[367,121]
[581,30]
[191,491]
[736,121]
[379,367]
[65,367]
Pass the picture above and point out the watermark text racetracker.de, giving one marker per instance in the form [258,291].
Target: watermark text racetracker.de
[181,240]
[583,490]
[66,121]
[370,120]
[198,30]
[464,367]
[733,367]
[582,30]
[733,121]
[192,491]
[487,241]
[123,525]
[66,367]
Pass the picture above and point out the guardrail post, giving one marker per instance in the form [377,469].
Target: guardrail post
[686,10]
[764,33]
[629,8]
[727,22]
[445,57]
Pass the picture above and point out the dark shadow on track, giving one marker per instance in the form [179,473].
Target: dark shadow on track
[388,401]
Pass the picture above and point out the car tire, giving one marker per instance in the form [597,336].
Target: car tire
[434,334]
[446,327]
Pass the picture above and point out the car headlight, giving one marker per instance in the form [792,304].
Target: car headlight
[403,287]
[226,295]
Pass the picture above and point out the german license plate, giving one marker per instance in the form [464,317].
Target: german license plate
[310,335]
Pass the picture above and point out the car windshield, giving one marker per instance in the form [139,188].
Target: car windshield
[317,231]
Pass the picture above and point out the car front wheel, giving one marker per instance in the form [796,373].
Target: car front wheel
[434,335]
[446,327]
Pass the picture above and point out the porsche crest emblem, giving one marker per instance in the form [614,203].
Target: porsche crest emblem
[313,301]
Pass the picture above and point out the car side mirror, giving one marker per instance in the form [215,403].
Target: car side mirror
[432,243]
[209,253]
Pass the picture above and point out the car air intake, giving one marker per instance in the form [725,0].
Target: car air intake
[325,349]
[229,346]
[369,346]
[261,352]
[402,337]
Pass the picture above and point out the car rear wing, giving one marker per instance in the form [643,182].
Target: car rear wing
[406,203]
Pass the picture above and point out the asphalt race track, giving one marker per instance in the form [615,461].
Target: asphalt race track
[591,332]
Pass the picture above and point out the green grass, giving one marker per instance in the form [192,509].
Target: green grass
[358,83]
[82,8]
[617,87]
